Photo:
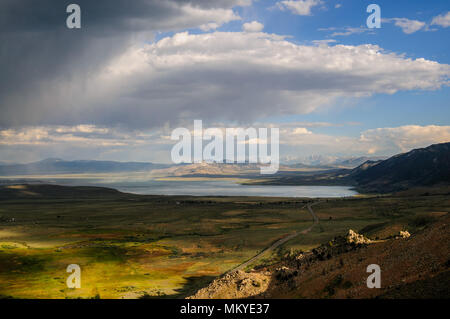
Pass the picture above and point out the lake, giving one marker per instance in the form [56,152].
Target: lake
[221,187]
[227,188]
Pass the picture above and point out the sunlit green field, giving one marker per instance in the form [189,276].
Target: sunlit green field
[144,246]
[136,246]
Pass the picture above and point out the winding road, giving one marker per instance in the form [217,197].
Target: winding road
[280,241]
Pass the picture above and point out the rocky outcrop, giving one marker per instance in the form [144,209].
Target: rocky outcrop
[239,284]
[404,234]
[235,285]
[357,239]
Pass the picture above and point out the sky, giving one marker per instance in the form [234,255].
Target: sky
[116,88]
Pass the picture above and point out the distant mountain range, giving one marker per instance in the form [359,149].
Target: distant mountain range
[357,161]
[422,167]
[330,161]
[58,166]
[210,169]
[53,166]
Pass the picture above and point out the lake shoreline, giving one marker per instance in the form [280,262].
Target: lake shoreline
[210,187]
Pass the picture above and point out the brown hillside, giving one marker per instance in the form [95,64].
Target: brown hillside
[414,267]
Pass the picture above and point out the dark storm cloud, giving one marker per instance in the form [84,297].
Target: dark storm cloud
[105,74]
[37,50]
[104,16]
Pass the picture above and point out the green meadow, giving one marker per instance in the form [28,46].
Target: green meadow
[131,246]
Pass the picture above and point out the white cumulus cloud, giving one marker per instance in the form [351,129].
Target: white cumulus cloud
[296,140]
[408,26]
[442,20]
[375,142]
[405,138]
[299,7]
[253,26]
[235,76]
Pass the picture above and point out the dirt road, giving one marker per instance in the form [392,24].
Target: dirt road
[282,240]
